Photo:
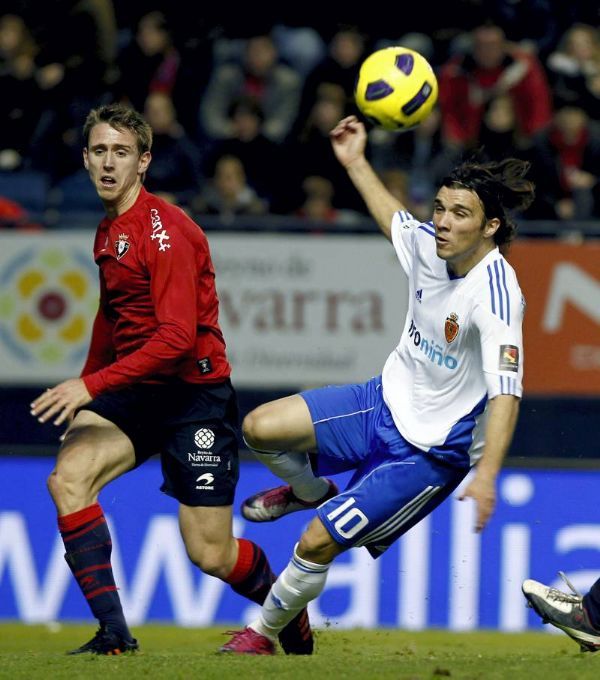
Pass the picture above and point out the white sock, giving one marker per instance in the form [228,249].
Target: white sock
[298,584]
[294,468]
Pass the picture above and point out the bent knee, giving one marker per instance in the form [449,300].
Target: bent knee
[257,428]
[283,424]
[317,545]
[69,484]
[214,560]
[74,481]
[75,468]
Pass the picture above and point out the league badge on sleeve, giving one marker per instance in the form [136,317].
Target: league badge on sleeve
[122,245]
[451,327]
[509,358]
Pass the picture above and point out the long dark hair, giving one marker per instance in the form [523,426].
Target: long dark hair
[500,186]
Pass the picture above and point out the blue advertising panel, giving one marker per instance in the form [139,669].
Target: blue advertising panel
[441,574]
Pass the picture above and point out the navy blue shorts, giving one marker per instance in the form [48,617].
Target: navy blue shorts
[395,484]
[192,427]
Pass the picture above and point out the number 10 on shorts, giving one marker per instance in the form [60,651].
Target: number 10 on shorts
[345,514]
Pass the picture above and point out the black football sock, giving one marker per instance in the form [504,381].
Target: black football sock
[88,548]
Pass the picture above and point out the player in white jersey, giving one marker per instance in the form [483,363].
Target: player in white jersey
[447,398]
[460,346]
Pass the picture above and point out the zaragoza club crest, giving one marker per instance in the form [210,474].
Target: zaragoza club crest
[451,327]
[122,246]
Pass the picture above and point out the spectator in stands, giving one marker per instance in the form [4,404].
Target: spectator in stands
[261,75]
[340,67]
[77,48]
[262,158]
[318,206]
[534,24]
[20,102]
[174,174]
[228,194]
[500,137]
[149,63]
[398,183]
[300,46]
[567,163]
[591,165]
[77,41]
[14,217]
[492,67]
[499,133]
[574,70]
[311,154]
[419,153]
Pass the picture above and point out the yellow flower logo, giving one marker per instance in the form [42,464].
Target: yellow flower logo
[48,304]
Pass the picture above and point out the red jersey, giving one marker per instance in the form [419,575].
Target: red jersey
[158,314]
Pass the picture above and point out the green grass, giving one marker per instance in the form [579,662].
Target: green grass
[181,653]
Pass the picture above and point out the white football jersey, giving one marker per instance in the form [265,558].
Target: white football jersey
[461,345]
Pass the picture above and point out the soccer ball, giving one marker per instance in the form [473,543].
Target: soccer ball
[396,88]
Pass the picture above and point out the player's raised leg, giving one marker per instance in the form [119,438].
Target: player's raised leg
[94,452]
[280,433]
[389,494]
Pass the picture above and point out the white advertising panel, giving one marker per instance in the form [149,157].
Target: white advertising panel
[301,310]
[296,310]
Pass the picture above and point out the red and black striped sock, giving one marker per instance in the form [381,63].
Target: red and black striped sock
[88,548]
[252,576]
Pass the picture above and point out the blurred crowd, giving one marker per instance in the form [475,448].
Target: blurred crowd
[242,105]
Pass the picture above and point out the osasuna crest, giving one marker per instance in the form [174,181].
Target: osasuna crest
[122,246]
[451,327]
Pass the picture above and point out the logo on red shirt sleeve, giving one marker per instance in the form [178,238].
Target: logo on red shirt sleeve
[159,233]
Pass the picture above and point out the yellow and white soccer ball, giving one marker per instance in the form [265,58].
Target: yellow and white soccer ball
[396,88]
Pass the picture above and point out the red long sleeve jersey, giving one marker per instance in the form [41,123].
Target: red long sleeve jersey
[158,314]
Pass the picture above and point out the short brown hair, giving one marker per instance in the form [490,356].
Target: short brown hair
[120,117]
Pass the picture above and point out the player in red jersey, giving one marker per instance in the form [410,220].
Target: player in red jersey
[156,380]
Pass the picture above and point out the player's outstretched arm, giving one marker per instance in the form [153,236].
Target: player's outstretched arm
[349,139]
[502,420]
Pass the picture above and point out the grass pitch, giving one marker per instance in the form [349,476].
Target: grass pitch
[182,653]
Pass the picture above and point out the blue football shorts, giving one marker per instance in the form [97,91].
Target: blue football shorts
[394,485]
